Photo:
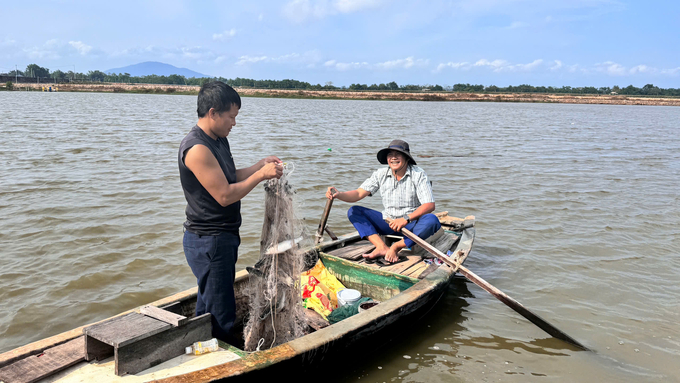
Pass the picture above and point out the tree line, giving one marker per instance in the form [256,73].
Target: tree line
[36,71]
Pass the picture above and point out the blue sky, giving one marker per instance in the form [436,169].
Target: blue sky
[489,42]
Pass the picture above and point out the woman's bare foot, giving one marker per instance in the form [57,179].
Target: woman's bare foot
[377,253]
[391,255]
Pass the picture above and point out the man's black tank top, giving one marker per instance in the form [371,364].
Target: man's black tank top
[204,215]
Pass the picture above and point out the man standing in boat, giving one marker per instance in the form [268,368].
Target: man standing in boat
[407,200]
[213,188]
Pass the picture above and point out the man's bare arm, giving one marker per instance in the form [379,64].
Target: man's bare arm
[200,160]
[347,196]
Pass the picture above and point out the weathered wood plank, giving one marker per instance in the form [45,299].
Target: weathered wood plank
[52,360]
[430,268]
[315,320]
[163,346]
[399,267]
[126,329]
[96,349]
[39,346]
[353,251]
[174,307]
[415,270]
[163,315]
[441,240]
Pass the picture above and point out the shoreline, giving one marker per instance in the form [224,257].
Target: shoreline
[366,95]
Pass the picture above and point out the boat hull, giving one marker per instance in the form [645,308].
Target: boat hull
[408,300]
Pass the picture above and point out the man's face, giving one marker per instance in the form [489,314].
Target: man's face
[396,160]
[224,121]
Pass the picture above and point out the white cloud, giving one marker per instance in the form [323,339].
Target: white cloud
[497,65]
[611,68]
[576,68]
[349,6]
[642,69]
[466,9]
[402,63]
[151,52]
[558,65]
[505,66]
[462,65]
[406,63]
[7,42]
[530,66]
[82,48]
[194,53]
[308,59]
[226,35]
[672,72]
[38,53]
[348,66]
[299,11]
[243,60]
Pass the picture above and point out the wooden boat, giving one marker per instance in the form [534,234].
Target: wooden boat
[404,290]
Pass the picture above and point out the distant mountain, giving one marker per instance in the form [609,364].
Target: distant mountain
[157,68]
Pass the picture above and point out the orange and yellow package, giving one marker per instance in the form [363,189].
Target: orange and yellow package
[319,290]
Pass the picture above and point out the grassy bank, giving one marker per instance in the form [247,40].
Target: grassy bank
[367,95]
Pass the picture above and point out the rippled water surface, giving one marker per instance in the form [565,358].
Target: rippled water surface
[577,207]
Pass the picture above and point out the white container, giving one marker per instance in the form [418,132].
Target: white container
[348,296]
[199,348]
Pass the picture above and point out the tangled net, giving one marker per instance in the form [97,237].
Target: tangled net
[276,312]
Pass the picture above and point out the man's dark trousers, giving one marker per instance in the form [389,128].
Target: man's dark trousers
[212,259]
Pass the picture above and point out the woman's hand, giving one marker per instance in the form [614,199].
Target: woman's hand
[398,224]
[332,192]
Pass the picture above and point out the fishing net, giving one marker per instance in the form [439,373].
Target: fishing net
[276,314]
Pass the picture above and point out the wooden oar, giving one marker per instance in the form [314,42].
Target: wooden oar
[322,223]
[501,296]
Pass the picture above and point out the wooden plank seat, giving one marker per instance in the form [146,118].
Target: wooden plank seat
[354,251]
[35,367]
[138,341]
[414,265]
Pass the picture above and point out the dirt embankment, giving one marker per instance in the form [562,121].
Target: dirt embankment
[368,95]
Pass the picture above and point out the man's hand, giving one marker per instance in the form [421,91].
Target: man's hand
[271,159]
[271,170]
[398,224]
[332,192]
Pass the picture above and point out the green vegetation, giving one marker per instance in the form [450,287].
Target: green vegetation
[43,74]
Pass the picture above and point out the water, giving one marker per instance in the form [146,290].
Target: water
[577,210]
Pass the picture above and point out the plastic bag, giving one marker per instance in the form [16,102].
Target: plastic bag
[320,289]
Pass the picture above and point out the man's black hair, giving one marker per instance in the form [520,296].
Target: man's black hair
[216,95]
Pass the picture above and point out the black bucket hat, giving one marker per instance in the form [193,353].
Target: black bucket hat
[399,146]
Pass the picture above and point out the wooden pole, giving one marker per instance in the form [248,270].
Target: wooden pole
[322,223]
[501,296]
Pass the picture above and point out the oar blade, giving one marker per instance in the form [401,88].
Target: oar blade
[520,309]
[510,302]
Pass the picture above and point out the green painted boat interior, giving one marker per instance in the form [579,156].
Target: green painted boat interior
[379,285]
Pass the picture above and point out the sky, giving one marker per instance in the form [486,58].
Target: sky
[489,42]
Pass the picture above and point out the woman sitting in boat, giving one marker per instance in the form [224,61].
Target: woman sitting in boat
[407,200]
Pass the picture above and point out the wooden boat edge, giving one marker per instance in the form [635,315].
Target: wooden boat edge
[263,359]
[359,324]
